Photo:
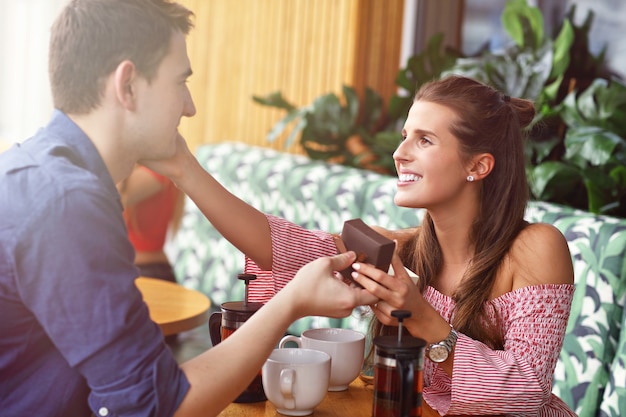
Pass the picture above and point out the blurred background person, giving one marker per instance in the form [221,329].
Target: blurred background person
[153,209]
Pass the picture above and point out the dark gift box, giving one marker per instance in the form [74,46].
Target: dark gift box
[370,246]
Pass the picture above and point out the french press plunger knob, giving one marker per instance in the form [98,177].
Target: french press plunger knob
[246,278]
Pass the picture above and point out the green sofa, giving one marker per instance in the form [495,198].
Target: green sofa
[591,372]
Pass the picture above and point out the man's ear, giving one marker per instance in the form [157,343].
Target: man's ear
[124,78]
[481,165]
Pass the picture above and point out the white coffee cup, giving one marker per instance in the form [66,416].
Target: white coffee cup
[296,380]
[346,348]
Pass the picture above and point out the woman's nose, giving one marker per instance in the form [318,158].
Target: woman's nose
[399,154]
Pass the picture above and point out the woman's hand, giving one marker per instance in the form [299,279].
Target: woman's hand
[175,166]
[396,292]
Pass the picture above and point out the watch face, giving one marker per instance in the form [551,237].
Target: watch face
[438,353]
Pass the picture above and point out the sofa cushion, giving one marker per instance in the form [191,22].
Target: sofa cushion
[614,399]
[598,247]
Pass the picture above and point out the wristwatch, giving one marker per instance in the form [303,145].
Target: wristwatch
[439,352]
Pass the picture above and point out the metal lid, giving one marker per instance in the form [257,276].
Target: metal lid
[241,307]
[400,344]
[407,345]
[244,306]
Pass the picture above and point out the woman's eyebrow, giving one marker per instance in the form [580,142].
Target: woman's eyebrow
[423,132]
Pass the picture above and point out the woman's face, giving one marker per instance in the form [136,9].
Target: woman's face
[431,172]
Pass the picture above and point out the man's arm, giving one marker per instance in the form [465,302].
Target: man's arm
[223,372]
[241,224]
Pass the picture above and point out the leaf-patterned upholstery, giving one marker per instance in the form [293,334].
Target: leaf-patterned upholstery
[591,372]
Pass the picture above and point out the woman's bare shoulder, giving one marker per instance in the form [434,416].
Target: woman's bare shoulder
[540,255]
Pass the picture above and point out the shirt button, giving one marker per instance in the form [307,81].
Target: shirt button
[103,411]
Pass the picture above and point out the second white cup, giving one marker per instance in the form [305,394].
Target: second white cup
[296,380]
[346,348]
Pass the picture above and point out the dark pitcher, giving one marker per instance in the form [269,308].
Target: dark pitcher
[223,323]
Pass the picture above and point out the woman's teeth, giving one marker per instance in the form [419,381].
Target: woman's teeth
[408,177]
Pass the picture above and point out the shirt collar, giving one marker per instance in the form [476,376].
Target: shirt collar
[84,152]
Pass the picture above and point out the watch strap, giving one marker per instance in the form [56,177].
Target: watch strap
[449,342]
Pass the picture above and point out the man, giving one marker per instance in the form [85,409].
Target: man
[76,337]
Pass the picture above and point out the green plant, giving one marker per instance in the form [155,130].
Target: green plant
[327,127]
[595,152]
[361,132]
[576,150]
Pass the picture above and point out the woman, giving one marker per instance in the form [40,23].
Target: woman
[494,292]
[153,207]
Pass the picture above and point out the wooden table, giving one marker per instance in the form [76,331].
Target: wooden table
[173,307]
[355,402]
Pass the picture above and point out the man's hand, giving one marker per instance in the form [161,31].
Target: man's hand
[318,289]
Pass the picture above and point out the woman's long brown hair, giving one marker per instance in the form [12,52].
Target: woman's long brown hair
[486,122]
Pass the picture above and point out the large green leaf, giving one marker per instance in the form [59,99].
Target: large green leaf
[275,99]
[372,109]
[548,178]
[591,144]
[352,102]
[601,104]
[300,125]
[562,47]
[548,95]
[516,72]
[282,124]
[600,190]
[541,150]
[384,144]
[426,66]
[523,23]
[618,174]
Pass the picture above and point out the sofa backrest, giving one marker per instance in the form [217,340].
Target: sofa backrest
[590,374]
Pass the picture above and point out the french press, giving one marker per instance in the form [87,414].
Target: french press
[223,323]
[398,373]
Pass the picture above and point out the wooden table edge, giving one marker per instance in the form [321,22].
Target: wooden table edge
[175,325]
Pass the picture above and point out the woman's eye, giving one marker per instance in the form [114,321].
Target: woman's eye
[425,141]
[402,138]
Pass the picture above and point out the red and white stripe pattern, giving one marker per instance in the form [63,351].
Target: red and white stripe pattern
[516,381]
[292,248]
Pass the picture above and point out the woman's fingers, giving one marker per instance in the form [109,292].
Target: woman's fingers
[382,277]
[369,277]
[398,269]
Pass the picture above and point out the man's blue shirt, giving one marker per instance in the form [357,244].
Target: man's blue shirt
[75,335]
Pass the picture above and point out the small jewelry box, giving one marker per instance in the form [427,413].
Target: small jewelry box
[370,246]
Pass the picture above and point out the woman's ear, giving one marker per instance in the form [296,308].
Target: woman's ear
[124,78]
[481,165]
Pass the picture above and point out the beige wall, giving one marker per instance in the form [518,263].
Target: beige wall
[304,48]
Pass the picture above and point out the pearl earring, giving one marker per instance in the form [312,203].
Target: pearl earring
[470,178]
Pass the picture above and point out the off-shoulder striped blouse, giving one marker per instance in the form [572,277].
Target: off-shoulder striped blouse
[515,381]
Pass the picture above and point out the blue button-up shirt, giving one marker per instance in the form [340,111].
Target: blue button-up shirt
[75,335]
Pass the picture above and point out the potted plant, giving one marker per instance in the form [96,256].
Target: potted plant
[359,132]
[576,150]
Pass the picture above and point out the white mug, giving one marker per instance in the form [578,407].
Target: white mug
[346,348]
[296,380]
